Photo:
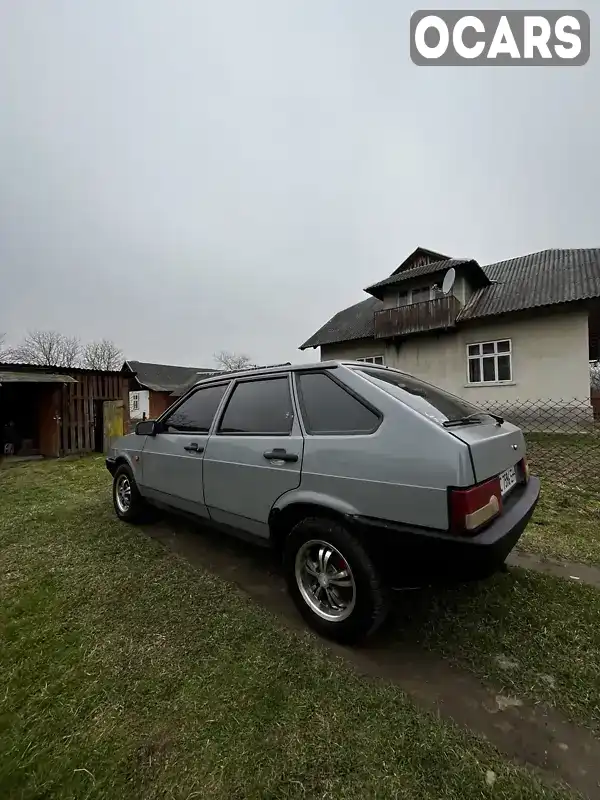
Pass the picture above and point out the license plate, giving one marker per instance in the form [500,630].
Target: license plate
[508,479]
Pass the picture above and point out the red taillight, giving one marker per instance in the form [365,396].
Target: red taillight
[524,469]
[472,508]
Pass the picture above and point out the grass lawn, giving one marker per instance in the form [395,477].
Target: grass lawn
[567,458]
[566,523]
[126,673]
[536,636]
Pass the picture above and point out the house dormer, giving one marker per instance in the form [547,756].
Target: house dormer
[412,295]
[419,258]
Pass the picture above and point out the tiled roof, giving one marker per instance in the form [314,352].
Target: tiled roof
[355,322]
[165,377]
[540,279]
[193,380]
[416,272]
[417,255]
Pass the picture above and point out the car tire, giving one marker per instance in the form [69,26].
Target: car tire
[362,606]
[129,504]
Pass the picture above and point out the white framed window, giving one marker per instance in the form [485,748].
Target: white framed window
[372,360]
[134,401]
[489,362]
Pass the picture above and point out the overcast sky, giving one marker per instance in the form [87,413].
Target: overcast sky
[186,176]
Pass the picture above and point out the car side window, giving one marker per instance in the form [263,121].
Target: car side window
[195,415]
[259,406]
[329,408]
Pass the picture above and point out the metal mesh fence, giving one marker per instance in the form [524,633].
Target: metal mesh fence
[563,438]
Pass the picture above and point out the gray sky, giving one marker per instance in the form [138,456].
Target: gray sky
[188,176]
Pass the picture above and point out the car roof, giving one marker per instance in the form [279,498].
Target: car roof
[279,368]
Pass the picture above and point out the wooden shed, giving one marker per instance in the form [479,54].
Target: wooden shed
[54,411]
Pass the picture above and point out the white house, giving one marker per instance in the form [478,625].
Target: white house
[521,330]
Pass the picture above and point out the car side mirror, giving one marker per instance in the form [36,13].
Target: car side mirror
[147,427]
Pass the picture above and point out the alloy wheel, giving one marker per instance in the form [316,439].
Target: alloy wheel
[123,493]
[325,580]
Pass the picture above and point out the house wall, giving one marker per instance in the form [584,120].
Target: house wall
[357,348]
[143,404]
[549,358]
[462,289]
[159,402]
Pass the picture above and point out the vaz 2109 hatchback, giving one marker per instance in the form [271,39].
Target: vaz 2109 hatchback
[364,477]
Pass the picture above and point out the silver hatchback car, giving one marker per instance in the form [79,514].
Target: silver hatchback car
[364,477]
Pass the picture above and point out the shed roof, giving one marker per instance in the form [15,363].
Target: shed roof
[43,368]
[33,376]
[164,377]
[194,379]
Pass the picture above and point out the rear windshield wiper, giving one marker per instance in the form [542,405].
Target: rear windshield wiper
[472,418]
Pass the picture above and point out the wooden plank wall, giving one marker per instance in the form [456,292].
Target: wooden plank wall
[77,407]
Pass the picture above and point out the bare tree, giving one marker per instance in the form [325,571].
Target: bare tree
[102,355]
[48,349]
[229,361]
[6,354]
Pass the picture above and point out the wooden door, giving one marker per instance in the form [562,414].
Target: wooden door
[112,414]
[49,421]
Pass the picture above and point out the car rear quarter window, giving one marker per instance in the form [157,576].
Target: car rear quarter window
[196,413]
[259,406]
[328,408]
[420,395]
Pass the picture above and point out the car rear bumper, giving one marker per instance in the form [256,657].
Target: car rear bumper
[111,465]
[416,556]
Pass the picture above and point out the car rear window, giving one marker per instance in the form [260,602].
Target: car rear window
[420,395]
[328,408]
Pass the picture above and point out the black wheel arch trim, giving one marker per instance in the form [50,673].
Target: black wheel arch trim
[112,464]
[283,518]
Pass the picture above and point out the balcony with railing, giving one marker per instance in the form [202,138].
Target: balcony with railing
[417,317]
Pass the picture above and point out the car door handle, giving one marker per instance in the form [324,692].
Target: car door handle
[279,455]
[193,447]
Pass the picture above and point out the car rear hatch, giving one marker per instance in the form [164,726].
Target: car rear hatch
[494,444]
[494,448]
